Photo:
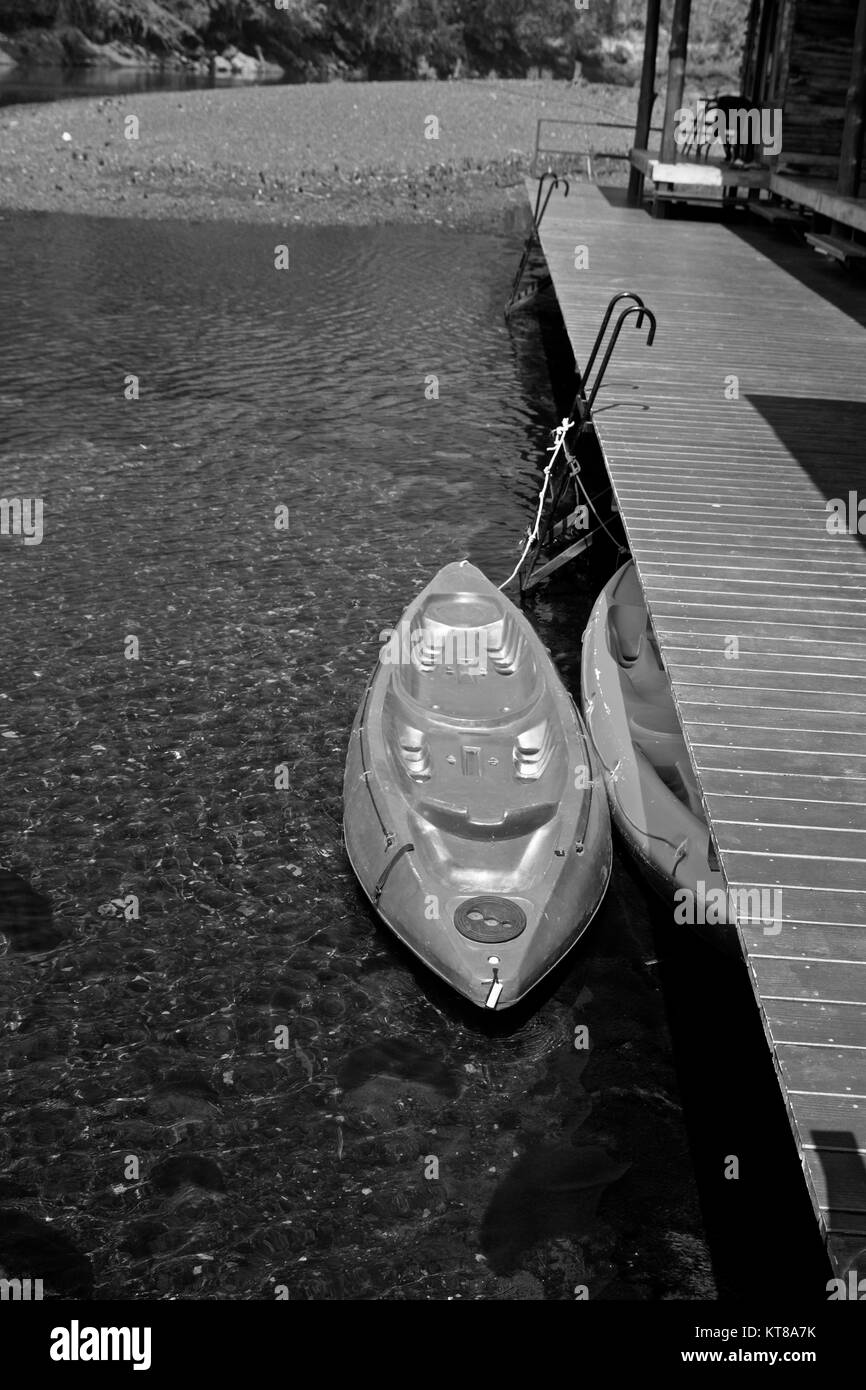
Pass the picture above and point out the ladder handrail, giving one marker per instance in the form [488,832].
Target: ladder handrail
[557,180]
[623,294]
[533,240]
[599,376]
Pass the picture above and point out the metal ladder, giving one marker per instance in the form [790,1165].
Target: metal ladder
[532,252]
[531,573]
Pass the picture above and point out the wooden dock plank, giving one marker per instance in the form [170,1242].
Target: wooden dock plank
[733,675]
[784,785]
[776,738]
[849,1249]
[726,505]
[693,598]
[754,656]
[773,637]
[754,812]
[746,699]
[807,941]
[802,560]
[734,716]
[713,755]
[796,871]
[805,841]
[819,905]
[830,1071]
[839,1185]
[845,1119]
[811,1021]
[837,982]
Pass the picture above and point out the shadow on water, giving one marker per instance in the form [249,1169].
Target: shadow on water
[759,1221]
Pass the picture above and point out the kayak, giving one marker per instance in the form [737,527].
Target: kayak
[655,799]
[474,814]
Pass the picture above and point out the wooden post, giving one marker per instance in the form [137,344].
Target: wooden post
[647,97]
[759,74]
[851,153]
[747,73]
[676,76]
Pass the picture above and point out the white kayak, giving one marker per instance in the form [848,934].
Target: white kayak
[474,817]
[653,792]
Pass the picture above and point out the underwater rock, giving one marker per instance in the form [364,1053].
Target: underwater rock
[401,1058]
[33,1249]
[25,915]
[548,1193]
[183,1096]
[188,1170]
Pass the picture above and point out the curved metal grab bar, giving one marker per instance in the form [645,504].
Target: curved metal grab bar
[536,216]
[623,294]
[599,377]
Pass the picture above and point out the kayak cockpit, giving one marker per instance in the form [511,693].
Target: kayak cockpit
[652,718]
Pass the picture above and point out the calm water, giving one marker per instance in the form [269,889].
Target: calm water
[157,1143]
[59,84]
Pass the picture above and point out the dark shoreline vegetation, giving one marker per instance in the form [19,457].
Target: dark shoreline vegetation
[365,40]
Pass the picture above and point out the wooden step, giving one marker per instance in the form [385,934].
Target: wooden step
[836,246]
[672,196]
[776,212]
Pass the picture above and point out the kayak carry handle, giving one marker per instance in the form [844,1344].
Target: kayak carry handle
[496,985]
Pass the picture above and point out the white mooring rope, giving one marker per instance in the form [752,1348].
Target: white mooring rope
[532,535]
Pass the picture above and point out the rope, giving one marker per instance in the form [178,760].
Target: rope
[575,472]
[532,536]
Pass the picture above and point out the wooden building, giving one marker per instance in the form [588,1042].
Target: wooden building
[798,58]
[806,58]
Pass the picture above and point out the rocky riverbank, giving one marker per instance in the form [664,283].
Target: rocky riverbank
[70,48]
[356,153]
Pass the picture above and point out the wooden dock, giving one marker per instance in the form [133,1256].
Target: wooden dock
[724,442]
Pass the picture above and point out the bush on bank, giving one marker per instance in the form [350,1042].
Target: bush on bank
[369,39]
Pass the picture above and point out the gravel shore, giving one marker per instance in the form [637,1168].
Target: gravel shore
[454,153]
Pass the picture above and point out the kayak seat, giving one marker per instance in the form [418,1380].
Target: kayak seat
[415,753]
[654,721]
[511,825]
[662,745]
[679,779]
[451,755]
[533,750]
[657,733]
[626,625]
[466,657]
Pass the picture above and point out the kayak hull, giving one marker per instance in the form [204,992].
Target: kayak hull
[474,817]
[655,800]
